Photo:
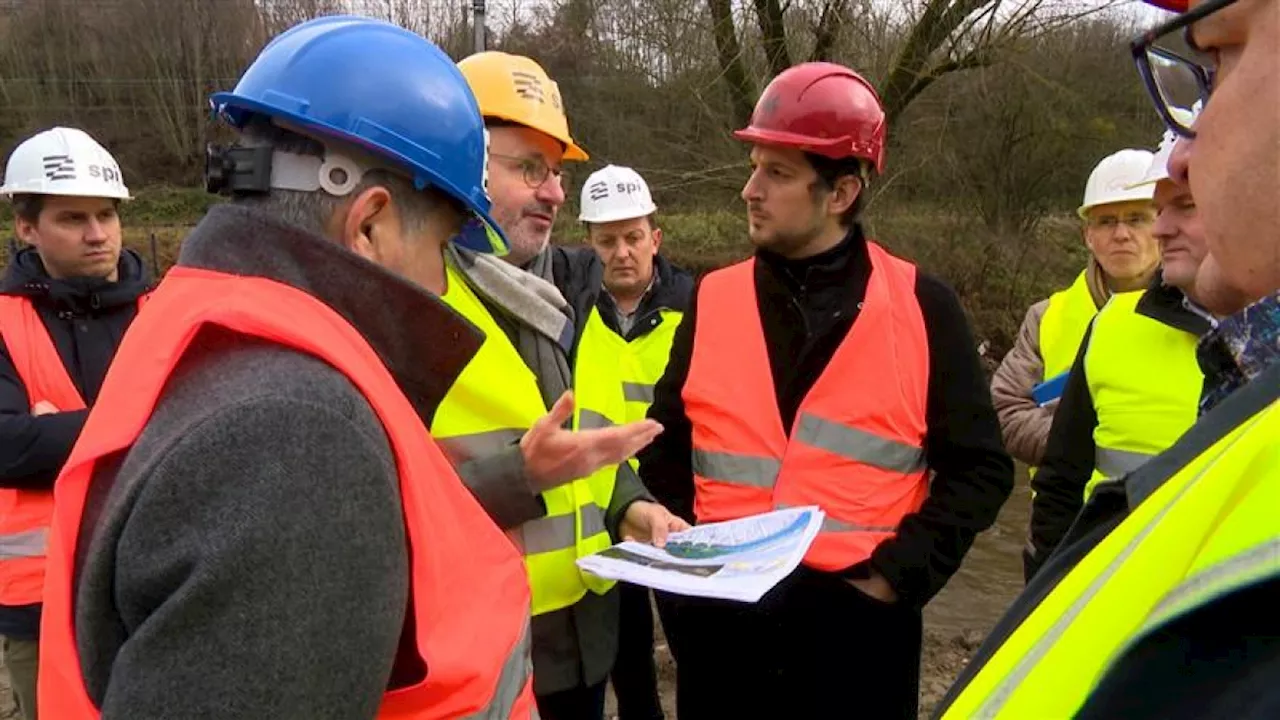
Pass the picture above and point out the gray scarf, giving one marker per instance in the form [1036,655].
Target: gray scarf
[532,307]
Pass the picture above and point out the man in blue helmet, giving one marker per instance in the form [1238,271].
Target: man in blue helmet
[261,527]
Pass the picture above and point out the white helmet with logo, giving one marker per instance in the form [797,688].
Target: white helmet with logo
[1159,168]
[63,161]
[615,193]
[1114,180]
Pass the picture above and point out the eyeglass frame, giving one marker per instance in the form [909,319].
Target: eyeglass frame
[1145,43]
[532,167]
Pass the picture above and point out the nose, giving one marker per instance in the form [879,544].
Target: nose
[551,191]
[1180,161]
[1165,228]
[751,191]
[95,232]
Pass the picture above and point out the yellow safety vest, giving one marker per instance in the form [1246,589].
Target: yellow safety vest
[1062,329]
[639,363]
[1145,384]
[1208,530]
[494,401]
[1063,326]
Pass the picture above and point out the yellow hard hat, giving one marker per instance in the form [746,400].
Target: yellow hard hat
[516,89]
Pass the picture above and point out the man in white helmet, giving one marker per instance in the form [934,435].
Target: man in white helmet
[1135,385]
[1123,257]
[629,303]
[65,302]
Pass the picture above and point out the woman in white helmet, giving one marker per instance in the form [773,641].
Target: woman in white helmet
[65,302]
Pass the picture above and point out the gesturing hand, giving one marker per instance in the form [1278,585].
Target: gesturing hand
[554,456]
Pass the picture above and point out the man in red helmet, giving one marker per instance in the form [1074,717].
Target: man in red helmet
[823,371]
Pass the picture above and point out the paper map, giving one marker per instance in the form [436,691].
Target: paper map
[735,560]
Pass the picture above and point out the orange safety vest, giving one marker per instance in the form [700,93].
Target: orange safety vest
[25,514]
[469,592]
[856,446]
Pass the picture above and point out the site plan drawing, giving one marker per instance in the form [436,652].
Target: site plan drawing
[734,560]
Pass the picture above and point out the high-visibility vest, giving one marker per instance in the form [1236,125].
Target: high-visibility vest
[470,600]
[491,405]
[1145,384]
[856,446]
[1208,530]
[1063,326]
[25,514]
[641,361]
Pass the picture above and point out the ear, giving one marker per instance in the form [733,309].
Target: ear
[657,240]
[845,193]
[25,230]
[1084,233]
[366,214]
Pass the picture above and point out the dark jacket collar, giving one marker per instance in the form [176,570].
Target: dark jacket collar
[26,276]
[423,343]
[829,267]
[672,289]
[1164,304]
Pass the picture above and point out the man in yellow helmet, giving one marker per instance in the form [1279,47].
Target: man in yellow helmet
[524,369]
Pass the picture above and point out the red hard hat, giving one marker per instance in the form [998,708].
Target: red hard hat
[822,108]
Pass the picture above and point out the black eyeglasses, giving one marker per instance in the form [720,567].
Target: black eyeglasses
[535,170]
[1178,86]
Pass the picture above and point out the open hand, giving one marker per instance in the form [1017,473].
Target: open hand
[554,456]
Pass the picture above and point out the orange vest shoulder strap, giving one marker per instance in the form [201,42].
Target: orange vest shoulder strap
[35,356]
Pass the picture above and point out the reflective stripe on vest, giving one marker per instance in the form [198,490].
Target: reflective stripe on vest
[1210,529]
[856,447]
[494,401]
[1145,384]
[25,514]
[470,598]
[638,364]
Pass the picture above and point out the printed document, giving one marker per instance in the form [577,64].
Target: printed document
[734,560]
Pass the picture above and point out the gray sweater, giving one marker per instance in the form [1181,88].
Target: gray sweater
[246,558]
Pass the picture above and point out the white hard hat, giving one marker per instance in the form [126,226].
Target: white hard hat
[615,193]
[1115,180]
[63,161]
[1159,168]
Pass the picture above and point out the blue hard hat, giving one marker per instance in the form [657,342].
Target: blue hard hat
[382,88]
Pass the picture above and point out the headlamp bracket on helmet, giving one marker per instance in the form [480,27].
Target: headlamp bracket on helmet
[239,170]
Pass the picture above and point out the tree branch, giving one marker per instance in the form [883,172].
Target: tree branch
[773,35]
[828,30]
[741,90]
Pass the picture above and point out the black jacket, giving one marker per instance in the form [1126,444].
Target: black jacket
[1069,455]
[807,308]
[86,318]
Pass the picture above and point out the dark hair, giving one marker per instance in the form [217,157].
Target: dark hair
[831,170]
[28,206]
